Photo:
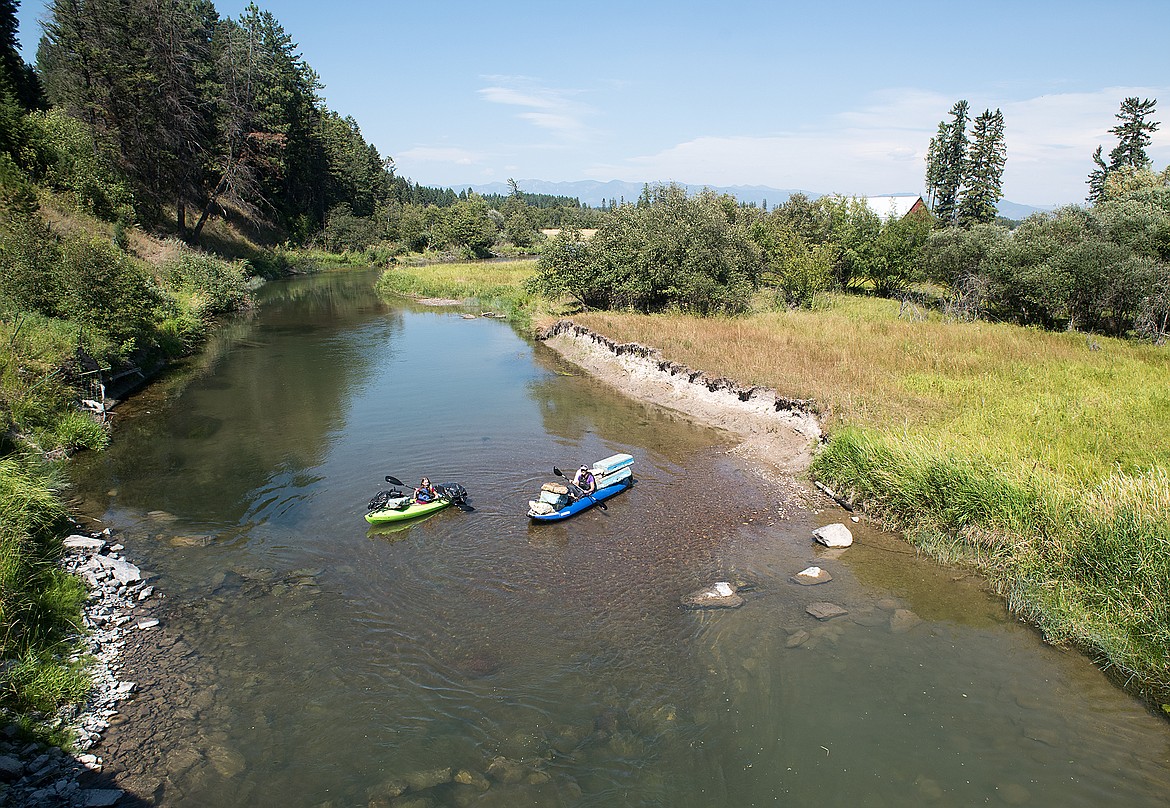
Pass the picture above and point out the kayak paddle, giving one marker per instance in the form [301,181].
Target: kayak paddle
[557,472]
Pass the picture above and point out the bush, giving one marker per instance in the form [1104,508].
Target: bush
[64,157]
[212,285]
[107,292]
[669,251]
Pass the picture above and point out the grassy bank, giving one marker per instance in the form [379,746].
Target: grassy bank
[1041,458]
[493,286]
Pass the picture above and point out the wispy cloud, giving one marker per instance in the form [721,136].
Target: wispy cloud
[555,110]
[880,147]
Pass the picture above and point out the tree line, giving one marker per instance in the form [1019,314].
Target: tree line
[165,115]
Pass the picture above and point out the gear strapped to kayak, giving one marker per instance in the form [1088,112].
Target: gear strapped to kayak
[394,505]
[557,501]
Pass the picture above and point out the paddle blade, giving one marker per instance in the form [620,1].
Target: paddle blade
[557,472]
[394,480]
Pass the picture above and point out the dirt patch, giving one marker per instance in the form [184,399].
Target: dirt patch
[776,432]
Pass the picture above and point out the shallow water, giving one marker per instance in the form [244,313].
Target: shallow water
[308,659]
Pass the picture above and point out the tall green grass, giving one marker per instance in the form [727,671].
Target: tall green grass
[40,605]
[1089,566]
[496,286]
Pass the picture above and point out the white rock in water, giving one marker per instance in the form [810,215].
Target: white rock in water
[123,571]
[833,535]
[811,576]
[145,624]
[724,588]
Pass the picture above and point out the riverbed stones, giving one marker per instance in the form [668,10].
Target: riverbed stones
[46,775]
[83,544]
[811,576]
[834,535]
[797,638]
[823,610]
[429,778]
[510,772]
[123,571]
[721,595]
[473,779]
[903,620]
[10,768]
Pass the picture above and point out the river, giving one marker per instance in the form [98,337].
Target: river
[473,658]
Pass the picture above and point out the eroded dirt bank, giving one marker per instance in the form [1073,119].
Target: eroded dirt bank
[776,432]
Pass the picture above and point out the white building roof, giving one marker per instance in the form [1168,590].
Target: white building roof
[891,207]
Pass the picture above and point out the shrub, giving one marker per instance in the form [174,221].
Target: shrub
[669,251]
[212,285]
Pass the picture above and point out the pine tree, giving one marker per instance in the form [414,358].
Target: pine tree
[983,182]
[1133,135]
[934,163]
[139,75]
[949,166]
[16,77]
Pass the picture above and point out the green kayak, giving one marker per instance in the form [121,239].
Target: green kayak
[449,493]
[409,512]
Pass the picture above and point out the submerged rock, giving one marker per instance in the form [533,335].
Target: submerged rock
[421,781]
[720,596]
[903,620]
[822,610]
[507,771]
[797,638]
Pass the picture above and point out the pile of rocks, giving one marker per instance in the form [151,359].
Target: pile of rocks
[120,600]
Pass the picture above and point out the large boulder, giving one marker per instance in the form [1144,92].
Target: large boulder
[836,535]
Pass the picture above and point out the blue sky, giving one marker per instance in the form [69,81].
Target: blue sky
[828,97]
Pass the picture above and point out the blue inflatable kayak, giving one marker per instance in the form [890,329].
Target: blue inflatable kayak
[557,501]
[582,503]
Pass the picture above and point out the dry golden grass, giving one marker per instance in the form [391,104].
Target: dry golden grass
[1073,406]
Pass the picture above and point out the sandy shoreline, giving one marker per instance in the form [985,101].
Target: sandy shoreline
[776,433]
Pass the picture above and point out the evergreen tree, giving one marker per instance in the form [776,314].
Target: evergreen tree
[947,170]
[1133,135]
[16,78]
[983,185]
[934,163]
[139,74]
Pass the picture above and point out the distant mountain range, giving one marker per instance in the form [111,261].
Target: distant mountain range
[594,193]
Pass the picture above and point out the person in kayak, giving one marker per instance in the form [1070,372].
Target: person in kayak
[425,491]
[585,481]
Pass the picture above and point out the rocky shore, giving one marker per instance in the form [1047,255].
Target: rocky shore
[119,608]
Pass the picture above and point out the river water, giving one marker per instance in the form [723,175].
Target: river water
[472,658]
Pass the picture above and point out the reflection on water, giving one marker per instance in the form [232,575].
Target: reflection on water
[473,658]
